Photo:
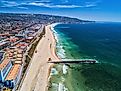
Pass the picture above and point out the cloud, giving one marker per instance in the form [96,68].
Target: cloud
[43,1]
[90,5]
[66,6]
[48,4]
[54,6]
[22,7]
[13,4]
[9,3]
[60,6]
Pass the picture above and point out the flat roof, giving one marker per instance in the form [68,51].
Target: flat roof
[30,37]
[4,63]
[20,59]
[19,51]
[18,62]
[13,72]
[19,55]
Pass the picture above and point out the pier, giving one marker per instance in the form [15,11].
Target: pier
[74,61]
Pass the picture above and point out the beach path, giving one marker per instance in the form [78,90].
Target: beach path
[36,78]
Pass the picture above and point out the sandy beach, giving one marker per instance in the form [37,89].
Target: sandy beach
[37,76]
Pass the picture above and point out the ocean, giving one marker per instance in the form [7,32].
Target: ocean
[100,41]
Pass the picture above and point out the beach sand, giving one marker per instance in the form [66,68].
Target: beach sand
[36,78]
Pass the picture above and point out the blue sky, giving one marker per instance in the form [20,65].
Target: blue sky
[101,10]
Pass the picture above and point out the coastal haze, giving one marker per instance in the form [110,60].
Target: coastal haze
[60,45]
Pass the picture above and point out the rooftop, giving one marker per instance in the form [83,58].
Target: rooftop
[18,62]
[22,44]
[19,55]
[19,59]
[13,72]
[4,63]
[1,56]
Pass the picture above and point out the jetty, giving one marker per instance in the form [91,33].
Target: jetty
[74,61]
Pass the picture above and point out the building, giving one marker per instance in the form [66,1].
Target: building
[19,36]
[22,46]
[5,67]
[4,44]
[15,54]
[29,39]
[2,53]
[13,77]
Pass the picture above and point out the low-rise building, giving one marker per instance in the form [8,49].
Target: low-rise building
[22,46]
[4,44]
[5,67]
[13,77]
[29,39]
[2,53]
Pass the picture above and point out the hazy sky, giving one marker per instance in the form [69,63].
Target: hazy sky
[102,10]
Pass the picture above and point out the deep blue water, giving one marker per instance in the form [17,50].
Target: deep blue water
[101,41]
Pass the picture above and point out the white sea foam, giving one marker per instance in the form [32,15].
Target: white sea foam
[55,86]
[61,87]
[53,71]
[65,68]
[53,30]
[55,24]
[61,51]
[56,38]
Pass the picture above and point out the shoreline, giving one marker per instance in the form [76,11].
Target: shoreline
[54,37]
[64,68]
[39,71]
[51,29]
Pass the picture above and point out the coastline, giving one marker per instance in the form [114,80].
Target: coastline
[53,70]
[54,37]
[54,34]
[39,71]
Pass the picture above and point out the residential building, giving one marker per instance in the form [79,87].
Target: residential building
[13,77]
[5,67]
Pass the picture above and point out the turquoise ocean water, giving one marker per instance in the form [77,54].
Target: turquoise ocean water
[100,41]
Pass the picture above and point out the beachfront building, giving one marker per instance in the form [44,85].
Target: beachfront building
[5,67]
[13,77]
